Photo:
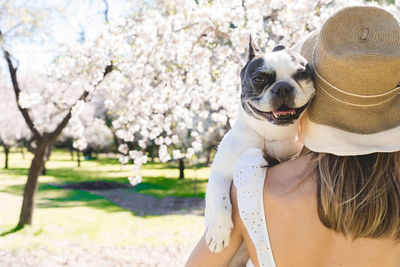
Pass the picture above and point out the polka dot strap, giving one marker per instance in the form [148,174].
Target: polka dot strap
[248,177]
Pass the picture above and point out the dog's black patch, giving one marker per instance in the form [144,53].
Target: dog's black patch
[254,50]
[271,160]
[278,47]
[302,74]
[259,79]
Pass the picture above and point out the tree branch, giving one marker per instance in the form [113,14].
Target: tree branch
[106,11]
[53,135]
[17,90]
[187,26]
[245,12]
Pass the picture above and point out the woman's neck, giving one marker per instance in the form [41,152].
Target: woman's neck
[285,176]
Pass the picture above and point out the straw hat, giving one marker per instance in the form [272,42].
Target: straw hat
[355,58]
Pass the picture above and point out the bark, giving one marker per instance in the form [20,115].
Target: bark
[87,154]
[208,158]
[78,153]
[181,169]
[70,145]
[106,11]
[195,181]
[17,90]
[31,185]
[44,169]
[6,152]
[71,152]
[46,158]
[22,152]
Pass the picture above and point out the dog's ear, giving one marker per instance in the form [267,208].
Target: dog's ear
[278,47]
[253,49]
[242,71]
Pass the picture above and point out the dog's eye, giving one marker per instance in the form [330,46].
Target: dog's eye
[258,79]
[301,75]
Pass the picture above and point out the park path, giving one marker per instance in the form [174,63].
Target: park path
[72,255]
[142,204]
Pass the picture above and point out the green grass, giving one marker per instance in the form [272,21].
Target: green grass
[87,219]
[159,179]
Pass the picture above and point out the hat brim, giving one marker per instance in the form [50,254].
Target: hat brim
[332,127]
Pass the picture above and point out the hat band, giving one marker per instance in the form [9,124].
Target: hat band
[351,98]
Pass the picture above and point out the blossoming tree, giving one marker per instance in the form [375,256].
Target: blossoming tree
[93,135]
[13,129]
[176,74]
[48,108]
[179,81]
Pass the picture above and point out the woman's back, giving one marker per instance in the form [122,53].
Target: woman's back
[297,236]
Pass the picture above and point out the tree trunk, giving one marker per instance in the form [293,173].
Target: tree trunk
[46,158]
[71,152]
[44,168]
[208,159]
[32,184]
[78,153]
[6,152]
[22,152]
[181,169]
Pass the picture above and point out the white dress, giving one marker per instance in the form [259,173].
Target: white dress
[248,177]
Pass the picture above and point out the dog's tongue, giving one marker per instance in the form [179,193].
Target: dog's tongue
[280,113]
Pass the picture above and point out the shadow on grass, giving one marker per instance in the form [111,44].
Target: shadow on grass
[50,196]
[57,197]
[158,186]
[69,175]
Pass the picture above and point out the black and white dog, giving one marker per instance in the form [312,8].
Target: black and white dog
[276,89]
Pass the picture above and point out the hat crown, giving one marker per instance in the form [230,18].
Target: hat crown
[358,51]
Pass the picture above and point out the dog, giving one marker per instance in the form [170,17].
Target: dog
[276,89]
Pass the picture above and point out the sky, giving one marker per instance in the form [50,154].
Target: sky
[77,16]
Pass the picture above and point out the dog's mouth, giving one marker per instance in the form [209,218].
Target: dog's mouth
[282,116]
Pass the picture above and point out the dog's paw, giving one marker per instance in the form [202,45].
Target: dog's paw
[219,232]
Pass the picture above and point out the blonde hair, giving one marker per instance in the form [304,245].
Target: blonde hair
[359,196]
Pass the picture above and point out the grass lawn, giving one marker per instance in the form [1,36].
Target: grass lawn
[78,216]
[158,179]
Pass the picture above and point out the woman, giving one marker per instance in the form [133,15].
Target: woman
[340,206]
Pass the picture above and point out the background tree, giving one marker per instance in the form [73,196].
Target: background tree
[179,80]
[76,72]
[96,136]
[13,129]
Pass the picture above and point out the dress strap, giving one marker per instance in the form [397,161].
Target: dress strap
[249,177]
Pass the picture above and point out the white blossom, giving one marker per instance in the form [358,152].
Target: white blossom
[178,83]
[123,148]
[135,180]
[176,154]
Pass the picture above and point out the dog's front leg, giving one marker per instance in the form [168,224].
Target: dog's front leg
[218,214]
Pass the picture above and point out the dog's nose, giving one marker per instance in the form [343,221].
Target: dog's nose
[282,89]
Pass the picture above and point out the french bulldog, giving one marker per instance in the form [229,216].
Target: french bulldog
[276,89]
